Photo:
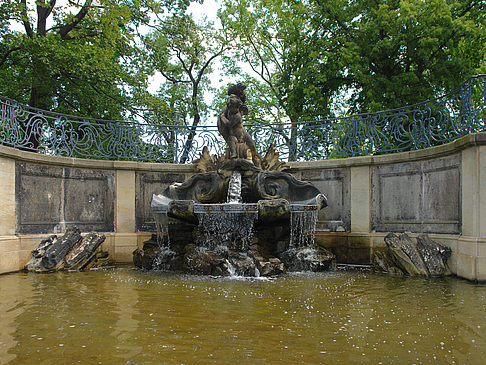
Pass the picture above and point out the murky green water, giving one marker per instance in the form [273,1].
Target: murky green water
[122,316]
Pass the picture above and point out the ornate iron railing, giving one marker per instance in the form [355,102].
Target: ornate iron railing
[430,123]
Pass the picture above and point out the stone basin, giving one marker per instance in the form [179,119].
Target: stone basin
[273,210]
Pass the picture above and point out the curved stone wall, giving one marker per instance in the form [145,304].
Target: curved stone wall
[436,190]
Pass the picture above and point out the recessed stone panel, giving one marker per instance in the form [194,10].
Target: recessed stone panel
[334,184]
[85,200]
[49,198]
[147,184]
[442,195]
[40,200]
[420,196]
[400,197]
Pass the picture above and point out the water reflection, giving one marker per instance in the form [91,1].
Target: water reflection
[125,316]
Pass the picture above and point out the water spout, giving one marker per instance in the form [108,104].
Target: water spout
[234,188]
[302,226]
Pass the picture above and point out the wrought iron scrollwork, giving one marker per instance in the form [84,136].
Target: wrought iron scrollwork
[427,124]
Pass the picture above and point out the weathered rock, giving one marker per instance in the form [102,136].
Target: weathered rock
[138,258]
[199,260]
[83,253]
[53,258]
[241,263]
[384,263]
[146,258]
[404,256]
[307,258]
[268,266]
[434,255]
[163,259]
[70,252]
[101,259]
[35,263]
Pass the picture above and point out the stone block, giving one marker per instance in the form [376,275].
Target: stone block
[125,201]
[9,262]
[467,246]
[466,266]
[481,269]
[482,191]
[469,192]
[124,245]
[109,245]
[360,199]
[24,257]
[360,256]
[359,241]
[9,244]
[7,192]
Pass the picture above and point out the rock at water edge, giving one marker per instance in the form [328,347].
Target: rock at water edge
[55,254]
[35,263]
[84,252]
[405,254]
[434,255]
[307,258]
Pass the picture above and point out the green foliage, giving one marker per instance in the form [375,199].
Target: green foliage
[366,56]
[183,51]
[78,59]
[404,52]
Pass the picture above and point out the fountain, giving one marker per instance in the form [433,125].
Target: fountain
[241,214]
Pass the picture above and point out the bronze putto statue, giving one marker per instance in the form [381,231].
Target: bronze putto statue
[230,126]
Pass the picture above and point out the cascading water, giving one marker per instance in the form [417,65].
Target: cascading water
[302,227]
[229,225]
[234,188]
[162,225]
[233,230]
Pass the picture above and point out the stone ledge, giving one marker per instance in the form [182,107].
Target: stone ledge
[39,158]
[470,140]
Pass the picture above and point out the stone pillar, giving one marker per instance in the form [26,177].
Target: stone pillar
[9,243]
[471,250]
[359,240]
[125,238]
[7,192]
[360,199]
[481,264]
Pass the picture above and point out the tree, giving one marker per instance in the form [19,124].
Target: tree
[404,52]
[321,58]
[81,58]
[283,43]
[183,51]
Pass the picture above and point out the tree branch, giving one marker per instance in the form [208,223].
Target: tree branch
[68,27]
[43,12]
[25,19]
[5,56]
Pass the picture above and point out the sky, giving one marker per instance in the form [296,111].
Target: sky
[208,9]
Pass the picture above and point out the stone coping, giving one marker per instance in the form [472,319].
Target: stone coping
[473,139]
[470,140]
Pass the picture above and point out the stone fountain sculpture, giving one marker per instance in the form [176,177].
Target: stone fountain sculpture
[241,214]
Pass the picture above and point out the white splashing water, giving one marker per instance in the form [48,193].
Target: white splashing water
[234,188]
[302,228]
[234,230]
[162,225]
[231,229]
